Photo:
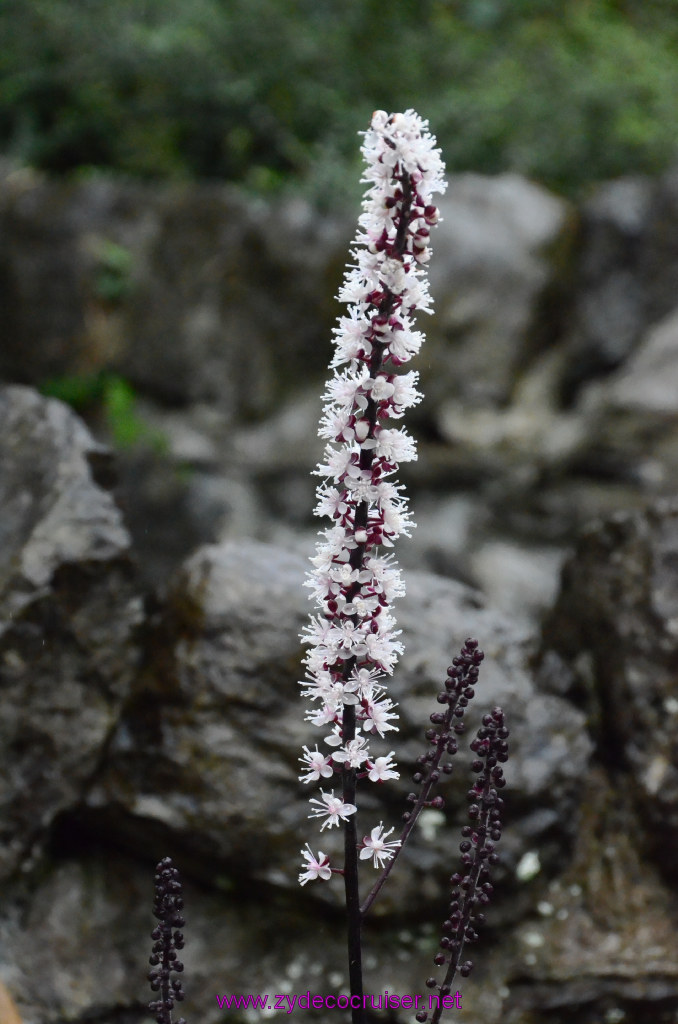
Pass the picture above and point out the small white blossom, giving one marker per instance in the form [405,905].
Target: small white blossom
[332,808]
[322,716]
[405,393]
[317,765]
[331,502]
[335,738]
[382,769]
[316,867]
[354,753]
[405,344]
[379,715]
[376,846]
[396,446]
[381,389]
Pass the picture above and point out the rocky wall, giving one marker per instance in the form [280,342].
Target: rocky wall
[151,602]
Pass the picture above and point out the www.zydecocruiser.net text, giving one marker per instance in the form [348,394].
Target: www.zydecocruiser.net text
[382,1001]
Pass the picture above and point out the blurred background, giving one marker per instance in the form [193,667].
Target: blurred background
[268,93]
[181,182]
[179,185]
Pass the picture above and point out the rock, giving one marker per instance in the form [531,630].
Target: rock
[659,264]
[10,1014]
[79,951]
[231,297]
[632,416]
[645,386]
[610,643]
[201,294]
[518,579]
[194,294]
[68,615]
[60,244]
[205,757]
[501,261]
[609,308]
[600,939]
[601,944]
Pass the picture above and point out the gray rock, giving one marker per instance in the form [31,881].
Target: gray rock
[206,754]
[609,312]
[202,294]
[646,385]
[79,951]
[230,299]
[192,293]
[613,631]
[659,264]
[501,257]
[68,613]
[55,267]
[601,944]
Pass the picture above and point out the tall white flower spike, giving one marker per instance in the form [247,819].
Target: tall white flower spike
[352,639]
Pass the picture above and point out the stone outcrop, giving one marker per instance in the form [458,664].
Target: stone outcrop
[149,624]
[68,614]
[610,641]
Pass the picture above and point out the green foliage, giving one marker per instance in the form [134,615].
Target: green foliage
[112,281]
[113,398]
[267,92]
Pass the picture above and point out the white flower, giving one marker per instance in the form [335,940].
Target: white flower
[351,337]
[376,846]
[316,765]
[405,393]
[345,388]
[354,753]
[363,607]
[405,344]
[387,578]
[332,808]
[331,501]
[383,650]
[344,574]
[379,715]
[396,520]
[393,276]
[321,716]
[339,462]
[366,680]
[382,769]
[396,446]
[334,424]
[316,867]
[381,388]
[334,739]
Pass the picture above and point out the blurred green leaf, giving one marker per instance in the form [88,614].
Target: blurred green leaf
[112,281]
[115,399]
[265,92]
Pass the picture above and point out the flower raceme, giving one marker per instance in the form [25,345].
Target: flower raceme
[352,639]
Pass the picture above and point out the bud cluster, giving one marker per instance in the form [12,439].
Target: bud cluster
[446,726]
[352,639]
[473,888]
[168,939]
[462,675]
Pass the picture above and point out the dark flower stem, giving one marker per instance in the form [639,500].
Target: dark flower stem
[349,775]
[351,886]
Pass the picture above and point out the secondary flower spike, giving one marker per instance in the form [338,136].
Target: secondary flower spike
[167,908]
[352,638]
